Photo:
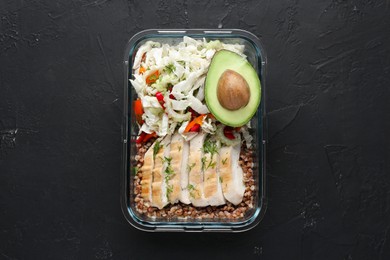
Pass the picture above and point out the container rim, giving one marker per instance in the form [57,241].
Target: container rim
[202,226]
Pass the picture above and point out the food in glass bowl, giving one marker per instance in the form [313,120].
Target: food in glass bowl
[194,103]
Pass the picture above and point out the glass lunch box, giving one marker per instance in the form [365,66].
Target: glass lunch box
[257,57]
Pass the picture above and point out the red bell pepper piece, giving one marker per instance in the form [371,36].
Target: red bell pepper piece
[228,132]
[138,111]
[195,128]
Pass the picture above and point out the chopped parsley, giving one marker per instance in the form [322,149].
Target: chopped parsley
[204,161]
[135,170]
[211,164]
[156,149]
[191,190]
[167,160]
[210,147]
[208,164]
[224,161]
[169,172]
[190,167]
[170,68]
[181,62]
[220,179]
[179,148]
[169,191]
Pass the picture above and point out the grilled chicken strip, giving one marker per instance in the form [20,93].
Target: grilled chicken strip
[159,186]
[178,159]
[184,194]
[231,174]
[195,174]
[212,186]
[147,175]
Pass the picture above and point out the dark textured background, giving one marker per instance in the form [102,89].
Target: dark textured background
[60,112]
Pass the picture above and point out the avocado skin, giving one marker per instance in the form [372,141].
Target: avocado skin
[221,61]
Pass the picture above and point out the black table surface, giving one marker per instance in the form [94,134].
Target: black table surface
[61,92]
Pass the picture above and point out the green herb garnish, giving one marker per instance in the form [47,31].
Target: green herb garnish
[181,62]
[224,161]
[156,149]
[170,68]
[167,159]
[204,161]
[207,164]
[191,190]
[211,164]
[210,147]
[169,172]
[190,167]
[169,191]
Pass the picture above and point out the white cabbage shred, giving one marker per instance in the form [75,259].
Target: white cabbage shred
[247,136]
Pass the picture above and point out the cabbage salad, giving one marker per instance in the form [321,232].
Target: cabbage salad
[169,81]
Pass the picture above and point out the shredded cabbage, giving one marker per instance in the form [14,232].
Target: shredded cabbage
[181,75]
[247,136]
[197,105]
[208,125]
[187,136]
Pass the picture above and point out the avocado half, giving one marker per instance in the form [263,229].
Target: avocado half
[232,89]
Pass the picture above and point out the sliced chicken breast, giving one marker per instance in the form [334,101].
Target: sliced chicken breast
[159,187]
[184,194]
[147,175]
[231,174]
[195,174]
[174,173]
[179,152]
[212,186]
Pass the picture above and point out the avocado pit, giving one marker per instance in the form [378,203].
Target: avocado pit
[232,91]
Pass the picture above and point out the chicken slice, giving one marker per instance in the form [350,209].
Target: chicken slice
[212,186]
[147,175]
[174,172]
[231,174]
[177,185]
[159,187]
[195,174]
[185,152]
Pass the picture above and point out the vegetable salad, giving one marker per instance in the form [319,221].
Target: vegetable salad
[169,81]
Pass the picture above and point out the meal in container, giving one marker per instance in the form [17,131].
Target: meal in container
[194,103]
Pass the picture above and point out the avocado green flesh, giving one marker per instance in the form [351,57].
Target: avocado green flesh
[222,61]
